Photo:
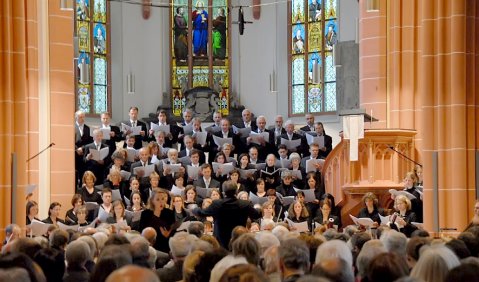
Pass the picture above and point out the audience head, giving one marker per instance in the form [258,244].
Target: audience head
[52,262]
[434,263]
[77,253]
[293,255]
[132,273]
[394,242]
[181,244]
[369,251]
[334,249]
[223,265]
[387,267]
[334,269]
[247,246]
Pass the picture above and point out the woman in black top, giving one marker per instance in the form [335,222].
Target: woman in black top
[53,214]
[71,217]
[159,217]
[87,191]
[404,217]
[371,209]
[32,211]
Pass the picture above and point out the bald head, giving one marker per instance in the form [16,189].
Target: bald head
[149,234]
[130,273]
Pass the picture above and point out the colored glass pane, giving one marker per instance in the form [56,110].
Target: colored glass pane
[83,67]
[330,9]
[84,99]
[200,76]
[99,11]
[314,10]
[297,8]
[100,71]
[315,97]
[330,69]
[83,33]
[314,58]
[298,39]
[219,32]
[297,100]
[180,31]
[330,94]
[314,37]
[99,38]
[83,10]
[298,70]
[200,21]
[100,99]
[330,34]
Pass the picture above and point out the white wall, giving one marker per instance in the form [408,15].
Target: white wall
[141,46]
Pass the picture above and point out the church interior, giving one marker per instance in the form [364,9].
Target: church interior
[409,68]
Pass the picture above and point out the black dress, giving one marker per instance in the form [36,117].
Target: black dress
[165,220]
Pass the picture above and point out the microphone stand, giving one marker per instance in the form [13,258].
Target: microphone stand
[404,156]
[36,155]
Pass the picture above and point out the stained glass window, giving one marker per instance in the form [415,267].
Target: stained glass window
[313,33]
[91,77]
[200,55]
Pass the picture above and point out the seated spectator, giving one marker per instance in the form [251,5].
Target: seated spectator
[76,255]
[434,264]
[387,267]
[293,259]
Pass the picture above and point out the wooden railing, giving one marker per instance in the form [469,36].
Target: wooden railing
[378,169]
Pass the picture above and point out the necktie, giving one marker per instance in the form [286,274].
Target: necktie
[207,183]
[133,124]
[98,147]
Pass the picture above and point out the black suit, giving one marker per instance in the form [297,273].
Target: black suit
[328,143]
[307,128]
[301,148]
[182,154]
[228,213]
[268,148]
[80,142]
[97,168]
[214,148]
[242,146]
[138,138]
[112,142]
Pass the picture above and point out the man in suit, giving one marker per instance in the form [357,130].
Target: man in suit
[167,176]
[115,135]
[216,126]
[189,147]
[187,121]
[225,132]
[247,122]
[291,135]
[171,138]
[228,213]
[314,154]
[328,141]
[267,144]
[145,160]
[309,123]
[97,167]
[82,138]
[133,121]
[206,181]
[277,128]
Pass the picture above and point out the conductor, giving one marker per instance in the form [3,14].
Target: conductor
[228,213]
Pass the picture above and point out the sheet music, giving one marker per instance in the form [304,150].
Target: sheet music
[115,195]
[296,174]
[176,191]
[384,219]
[203,192]
[259,138]
[259,166]
[245,173]
[315,139]
[193,171]
[225,168]
[257,200]
[299,227]
[147,170]
[309,195]
[200,138]
[283,163]
[38,228]
[288,200]
[213,129]
[184,226]
[156,127]
[30,188]
[173,167]
[131,154]
[68,227]
[135,130]
[134,215]
[311,164]
[188,129]
[220,141]
[127,201]
[241,131]
[99,155]
[291,144]
[106,133]
[364,221]
[103,215]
